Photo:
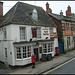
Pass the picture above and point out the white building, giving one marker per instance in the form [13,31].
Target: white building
[24,30]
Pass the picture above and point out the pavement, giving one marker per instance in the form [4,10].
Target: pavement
[41,66]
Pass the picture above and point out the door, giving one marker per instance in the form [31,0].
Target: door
[67,44]
[36,53]
[61,47]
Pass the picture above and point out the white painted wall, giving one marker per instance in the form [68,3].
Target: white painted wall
[13,35]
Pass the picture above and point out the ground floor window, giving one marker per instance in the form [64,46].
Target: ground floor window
[5,52]
[23,52]
[47,47]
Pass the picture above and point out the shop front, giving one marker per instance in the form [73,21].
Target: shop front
[24,50]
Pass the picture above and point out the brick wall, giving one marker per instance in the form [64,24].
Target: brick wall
[1,11]
[58,28]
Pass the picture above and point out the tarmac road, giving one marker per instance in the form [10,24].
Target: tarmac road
[65,68]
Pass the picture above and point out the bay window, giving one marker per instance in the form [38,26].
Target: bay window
[47,47]
[23,52]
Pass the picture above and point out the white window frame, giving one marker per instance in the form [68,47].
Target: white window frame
[51,30]
[22,52]
[49,47]
[35,15]
[6,53]
[5,33]
[67,27]
[38,32]
[22,35]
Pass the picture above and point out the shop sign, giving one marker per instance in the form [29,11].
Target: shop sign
[68,33]
[45,32]
[53,35]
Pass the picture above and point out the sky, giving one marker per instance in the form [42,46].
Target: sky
[56,6]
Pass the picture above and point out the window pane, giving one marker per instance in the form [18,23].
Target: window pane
[22,33]
[34,33]
[38,32]
[18,52]
[45,48]
[51,30]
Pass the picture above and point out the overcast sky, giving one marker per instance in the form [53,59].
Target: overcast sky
[56,6]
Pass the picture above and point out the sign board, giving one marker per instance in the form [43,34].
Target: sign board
[53,35]
[45,33]
[68,33]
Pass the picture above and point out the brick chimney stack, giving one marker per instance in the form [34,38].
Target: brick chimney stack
[48,10]
[1,10]
[68,11]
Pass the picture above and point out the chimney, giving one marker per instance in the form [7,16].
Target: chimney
[68,11]
[48,10]
[1,10]
[61,13]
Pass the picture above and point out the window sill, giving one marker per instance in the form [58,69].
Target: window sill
[24,58]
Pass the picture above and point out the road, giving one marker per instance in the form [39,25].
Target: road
[65,68]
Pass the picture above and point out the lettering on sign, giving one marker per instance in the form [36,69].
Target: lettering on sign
[45,33]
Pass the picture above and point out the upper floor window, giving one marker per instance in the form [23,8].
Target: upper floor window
[74,27]
[36,32]
[67,27]
[51,30]
[0,30]
[5,35]
[35,15]
[22,33]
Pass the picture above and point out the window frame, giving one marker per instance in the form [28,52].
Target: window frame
[22,37]
[47,47]
[39,33]
[51,30]
[5,33]
[34,15]
[67,27]
[6,54]
[24,53]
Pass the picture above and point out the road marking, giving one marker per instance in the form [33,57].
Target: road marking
[59,66]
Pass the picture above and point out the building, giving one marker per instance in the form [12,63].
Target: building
[24,30]
[64,28]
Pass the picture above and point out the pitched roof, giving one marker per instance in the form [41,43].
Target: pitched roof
[58,17]
[20,14]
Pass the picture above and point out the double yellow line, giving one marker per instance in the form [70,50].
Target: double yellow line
[59,66]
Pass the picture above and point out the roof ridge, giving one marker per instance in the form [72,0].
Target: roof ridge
[30,4]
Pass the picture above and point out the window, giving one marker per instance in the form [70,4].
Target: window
[38,32]
[47,47]
[4,29]
[18,53]
[74,27]
[51,30]
[67,27]
[34,33]
[22,33]
[28,51]
[68,38]
[0,30]
[44,48]
[23,52]
[35,15]
[5,52]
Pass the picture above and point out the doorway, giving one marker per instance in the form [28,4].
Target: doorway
[36,53]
